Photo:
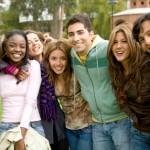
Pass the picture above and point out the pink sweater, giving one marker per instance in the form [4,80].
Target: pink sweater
[19,101]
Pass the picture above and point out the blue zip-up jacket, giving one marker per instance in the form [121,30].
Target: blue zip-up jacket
[95,82]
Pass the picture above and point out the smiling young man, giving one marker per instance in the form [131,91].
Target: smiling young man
[141,31]
[89,61]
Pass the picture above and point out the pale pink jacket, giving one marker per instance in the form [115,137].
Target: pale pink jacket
[19,101]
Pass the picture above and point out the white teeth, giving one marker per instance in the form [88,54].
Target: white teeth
[77,43]
[119,52]
[58,68]
[16,55]
[36,49]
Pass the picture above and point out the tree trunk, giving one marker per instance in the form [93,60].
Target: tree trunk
[57,23]
[61,21]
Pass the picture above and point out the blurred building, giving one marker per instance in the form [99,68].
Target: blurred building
[135,8]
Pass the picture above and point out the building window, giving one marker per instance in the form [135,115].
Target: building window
[142,2]
[134,3]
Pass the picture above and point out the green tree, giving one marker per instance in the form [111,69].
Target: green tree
[35,8]
[99,12]
[9,20]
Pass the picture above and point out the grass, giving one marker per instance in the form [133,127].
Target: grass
[0,108]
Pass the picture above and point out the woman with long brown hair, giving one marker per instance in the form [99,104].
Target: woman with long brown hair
[51,114]
[78,119]
[129,68]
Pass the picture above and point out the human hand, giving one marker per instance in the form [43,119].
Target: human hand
[22,75]
[19,145]
[15,71]
[47,38]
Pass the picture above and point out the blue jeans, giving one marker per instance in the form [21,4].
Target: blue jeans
[36,125]
[80,139]
[139,140]
[112,136]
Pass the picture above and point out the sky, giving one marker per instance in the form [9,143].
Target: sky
[5,5]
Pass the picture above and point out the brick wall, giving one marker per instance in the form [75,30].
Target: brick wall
[139,3]
[131,18]
[124,18]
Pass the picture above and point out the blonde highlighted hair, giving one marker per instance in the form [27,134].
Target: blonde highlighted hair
[115,67]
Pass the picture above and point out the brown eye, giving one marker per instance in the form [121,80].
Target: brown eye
[53,58]
[70,34]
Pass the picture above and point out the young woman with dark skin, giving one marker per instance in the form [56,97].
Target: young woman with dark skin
[19,101]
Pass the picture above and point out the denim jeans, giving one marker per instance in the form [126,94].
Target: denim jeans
[139,140]
[80,139]
[36,125]
[112,136]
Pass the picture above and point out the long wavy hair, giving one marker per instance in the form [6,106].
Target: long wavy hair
[119,79]
[4,46]
[63,45]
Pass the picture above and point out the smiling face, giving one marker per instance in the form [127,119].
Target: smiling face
[144,36]
[80,38]
[35,45]
[120,48]
[15,49]
[58,61]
